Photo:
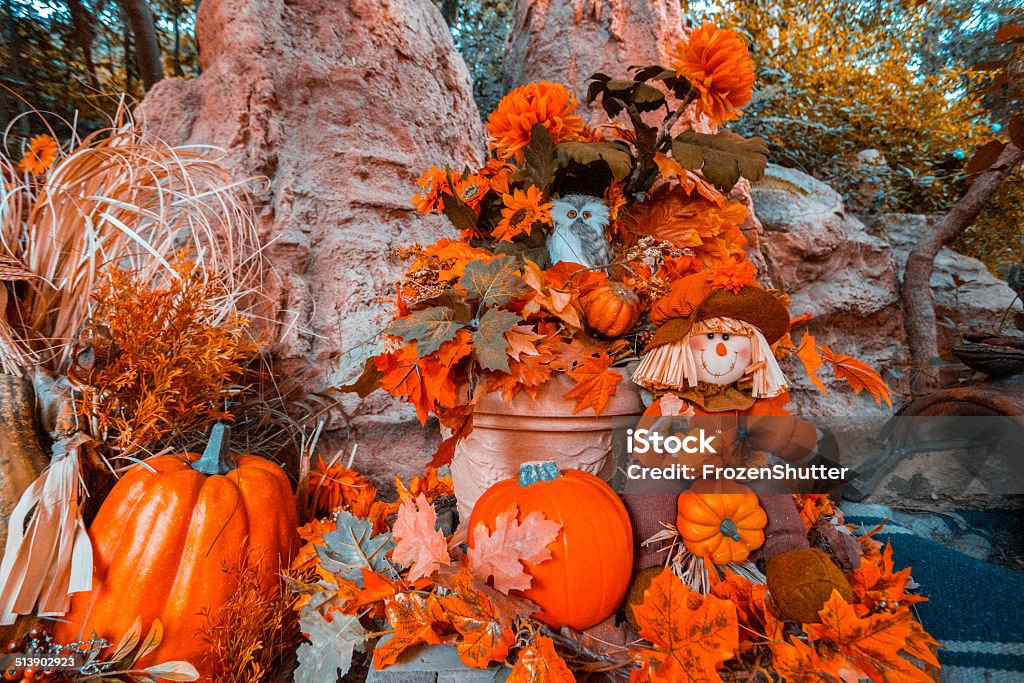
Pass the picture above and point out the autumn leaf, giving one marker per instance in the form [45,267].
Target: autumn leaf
[332,642]
[418,544]
[432,484]
[413,619]
[692,635]
[596,382]
[858,375]
[522,342]
[500,552]
[723,157]
[367,382]
[808,354]
[874,583]
[353,546]
[493,283]
[548,298]
[428,327]
[539,663]
[873,643]
[797,662]
[486,637]
[489,340]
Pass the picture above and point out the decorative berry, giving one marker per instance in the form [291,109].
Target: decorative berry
[12,675]
[16,645]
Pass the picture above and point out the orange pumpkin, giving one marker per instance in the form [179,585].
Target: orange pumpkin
[163,536]
[611,309]
[720,521]
[588,574]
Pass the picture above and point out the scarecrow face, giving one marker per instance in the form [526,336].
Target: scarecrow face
[721,357]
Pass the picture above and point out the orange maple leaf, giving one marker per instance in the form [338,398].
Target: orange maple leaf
[431,484]
[539,663]
[872,644]
[858,375]
[501,551]
[692,635]
[797,662]
[415,620]
[874,583]
[596,382]
[419,545]
[486,635]
[808,354]
[453,255]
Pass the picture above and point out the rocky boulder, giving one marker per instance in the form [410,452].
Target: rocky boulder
[847,277]
[340,106]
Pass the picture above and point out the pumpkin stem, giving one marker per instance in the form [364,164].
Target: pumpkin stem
[217,457]
[532,472]
[729,530]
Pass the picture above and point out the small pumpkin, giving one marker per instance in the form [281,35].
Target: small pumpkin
[588,574]
[611,309]
[720,521]
[164,535]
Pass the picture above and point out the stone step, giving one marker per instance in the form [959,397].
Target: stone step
[434,664]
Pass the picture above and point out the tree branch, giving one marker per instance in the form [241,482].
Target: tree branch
[917,295]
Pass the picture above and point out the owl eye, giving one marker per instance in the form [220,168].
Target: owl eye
[586,214]
[571,214]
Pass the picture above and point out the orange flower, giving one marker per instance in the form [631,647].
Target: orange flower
[733,275]
[335,487]
[435,185]
[522,210]
[498,174]
[39,156]
[719,67]
[472,189]
[614,199]
[548,104]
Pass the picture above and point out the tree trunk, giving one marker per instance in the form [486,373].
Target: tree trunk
[81,20]
[147,48]
[177,39]
[450,11]
[917,295]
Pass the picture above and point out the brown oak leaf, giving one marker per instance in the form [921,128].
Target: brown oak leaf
[486,635]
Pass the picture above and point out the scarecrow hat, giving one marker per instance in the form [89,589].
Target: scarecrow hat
[725,292]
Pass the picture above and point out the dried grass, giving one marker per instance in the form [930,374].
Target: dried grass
[121,198]
[249,633]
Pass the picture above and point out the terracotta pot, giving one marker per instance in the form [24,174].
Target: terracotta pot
[505,435]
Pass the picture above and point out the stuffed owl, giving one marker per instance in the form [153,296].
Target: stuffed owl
[579,231]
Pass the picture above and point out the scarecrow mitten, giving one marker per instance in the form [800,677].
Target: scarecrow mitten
[800,578]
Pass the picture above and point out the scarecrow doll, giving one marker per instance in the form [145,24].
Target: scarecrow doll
[710,366]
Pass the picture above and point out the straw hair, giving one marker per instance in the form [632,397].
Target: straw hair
[672,366]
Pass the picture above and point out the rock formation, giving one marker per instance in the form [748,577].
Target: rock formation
[847,277]
[340,106]
[568,41]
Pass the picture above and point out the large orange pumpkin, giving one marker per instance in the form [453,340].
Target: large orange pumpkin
[588,574]
[720,520]
[163,536]
[611,309]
